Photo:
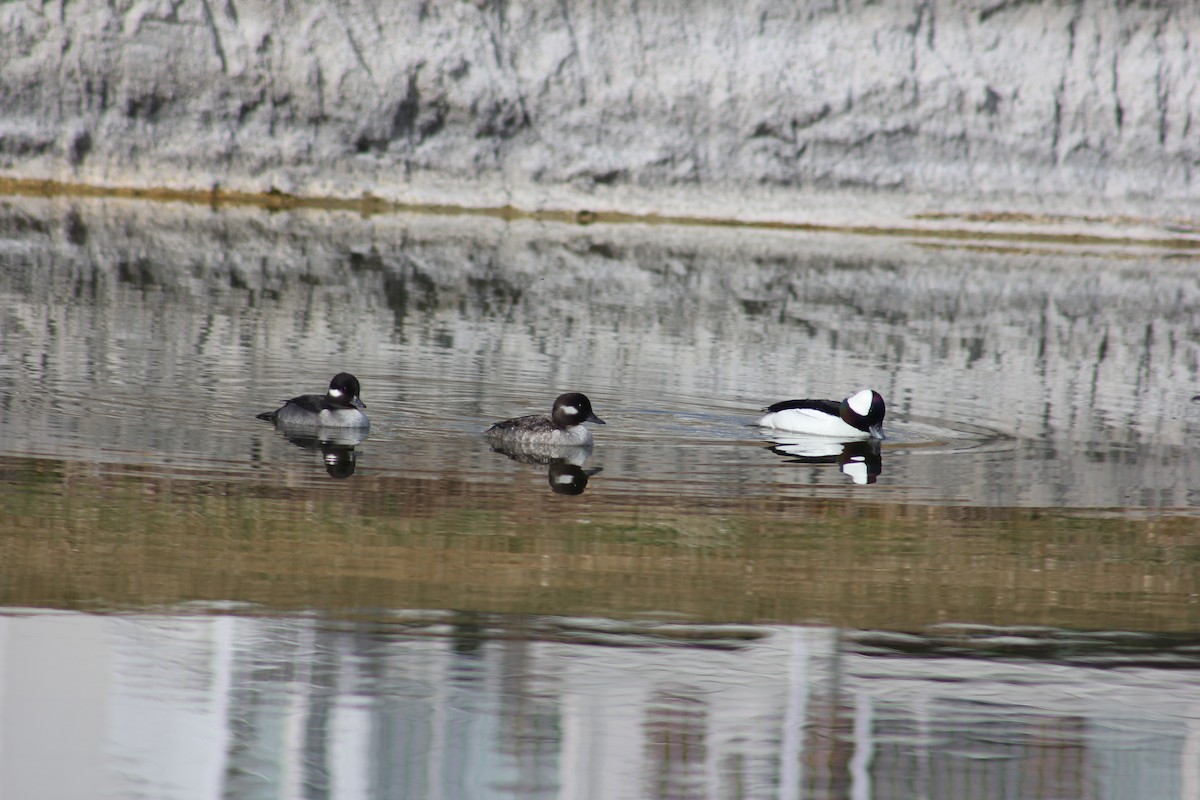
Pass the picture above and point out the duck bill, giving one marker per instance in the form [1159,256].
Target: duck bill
[595,419]
[876,431]
[359,404]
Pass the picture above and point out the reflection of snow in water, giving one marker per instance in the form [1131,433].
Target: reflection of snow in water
[444,704]
[1080,362]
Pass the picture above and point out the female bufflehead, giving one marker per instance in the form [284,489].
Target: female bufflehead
[562,428]
[340,407]
[859,416]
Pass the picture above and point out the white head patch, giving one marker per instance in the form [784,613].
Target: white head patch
[860,402]
[335,392]
[570,411]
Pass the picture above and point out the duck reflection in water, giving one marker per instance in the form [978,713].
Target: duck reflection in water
[336,445]
[564,464]
[861,459]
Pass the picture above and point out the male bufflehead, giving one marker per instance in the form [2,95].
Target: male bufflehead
[562,428]
[859,416]
[340,407]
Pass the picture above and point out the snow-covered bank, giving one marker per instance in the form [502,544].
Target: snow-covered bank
[794,111]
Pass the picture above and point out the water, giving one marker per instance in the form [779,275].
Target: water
[440,704]
[1002,597]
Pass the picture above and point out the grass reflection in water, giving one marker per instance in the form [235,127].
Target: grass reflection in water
[75,536]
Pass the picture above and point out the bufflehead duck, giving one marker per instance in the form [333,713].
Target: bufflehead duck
[340,407]
[562,428]
[859,416]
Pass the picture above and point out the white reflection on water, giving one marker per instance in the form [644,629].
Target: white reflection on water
[440,705]
[860,460]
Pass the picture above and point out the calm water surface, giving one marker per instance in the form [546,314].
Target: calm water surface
[998,602]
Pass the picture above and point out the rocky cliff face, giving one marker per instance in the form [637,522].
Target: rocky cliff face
[752,110]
